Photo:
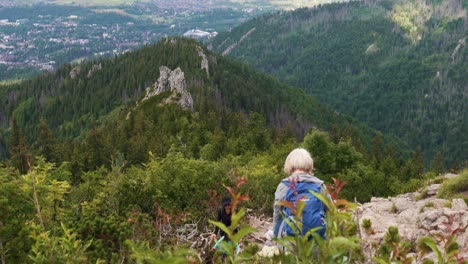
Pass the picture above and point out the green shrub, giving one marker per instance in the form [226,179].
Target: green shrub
[366,223]
[455,187]
[438,180]
[426,205]
[422,195]
[393,209]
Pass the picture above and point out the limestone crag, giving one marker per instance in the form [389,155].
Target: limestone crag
[174,81]
[204,62]
[416,215]
[94,69]
[74,72]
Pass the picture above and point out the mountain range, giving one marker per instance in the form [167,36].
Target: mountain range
[77,98]
[399,66]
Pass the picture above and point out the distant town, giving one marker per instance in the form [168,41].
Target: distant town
[40,37]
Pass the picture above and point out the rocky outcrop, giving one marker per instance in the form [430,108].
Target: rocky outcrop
[461,43]
[94,69]
[233,46]
[75,71]
[415,214]
[204,62]
[173,81]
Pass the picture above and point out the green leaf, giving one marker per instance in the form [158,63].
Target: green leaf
[287,242]
[242,233]
[222,227]
[237,216]
[343,243]
[433,245]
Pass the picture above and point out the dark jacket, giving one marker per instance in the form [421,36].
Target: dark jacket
[223,217]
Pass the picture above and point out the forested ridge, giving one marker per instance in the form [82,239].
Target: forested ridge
[91,173]
[398,66]
[90,95]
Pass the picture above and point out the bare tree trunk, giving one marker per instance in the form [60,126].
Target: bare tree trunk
[4,252]
[36,200]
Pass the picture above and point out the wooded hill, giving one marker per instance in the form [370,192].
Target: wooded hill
[97,171]
[80,98]
[399,66]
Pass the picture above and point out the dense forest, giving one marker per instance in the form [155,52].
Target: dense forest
[399,66]
[92,173]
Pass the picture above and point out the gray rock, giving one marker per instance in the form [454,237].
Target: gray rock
[432,189]
[173,81]
[204,62]
[414,219]
[450,175]
[459,204]
[94,69]
[75,71]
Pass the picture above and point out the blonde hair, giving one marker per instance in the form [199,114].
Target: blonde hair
[298,159]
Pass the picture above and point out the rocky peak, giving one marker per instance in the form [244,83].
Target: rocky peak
[204,62]
[74,72]
[94,69]
[174,81]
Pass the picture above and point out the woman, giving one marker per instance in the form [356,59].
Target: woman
[297,186]
[224,216]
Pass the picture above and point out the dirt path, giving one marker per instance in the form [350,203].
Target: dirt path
[262,224]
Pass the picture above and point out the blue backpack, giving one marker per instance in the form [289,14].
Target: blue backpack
[313,214]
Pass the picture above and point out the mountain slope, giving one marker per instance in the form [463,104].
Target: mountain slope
[90,94]
[398,66]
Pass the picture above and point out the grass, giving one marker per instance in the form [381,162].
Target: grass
[366,224]
[426,205]
[455,187]
[422,195]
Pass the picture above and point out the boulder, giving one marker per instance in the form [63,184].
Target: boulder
[174,81]
[414,218]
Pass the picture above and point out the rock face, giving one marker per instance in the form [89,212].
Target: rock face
[416,215]
[173,81]
[94,69]
[204,62]
[75,72]
[233,46]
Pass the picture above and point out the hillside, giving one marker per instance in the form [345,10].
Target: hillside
[97,91]
[398,66]
[125,160]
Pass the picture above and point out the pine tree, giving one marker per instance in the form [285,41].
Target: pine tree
[377,149]
[417,163]
[47,142]
[20,157]
[437,164]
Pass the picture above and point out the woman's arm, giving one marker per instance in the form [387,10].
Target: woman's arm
[280,193]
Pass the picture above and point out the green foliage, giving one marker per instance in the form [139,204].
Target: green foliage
[15,209]
[448,239]
[59,248]
[115,185]
[393,249]
[142,253]
[19,153]
[366,223]
[386,63]
[422,195]
[454,188]
[343,161]
[426,205]
[235,236]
